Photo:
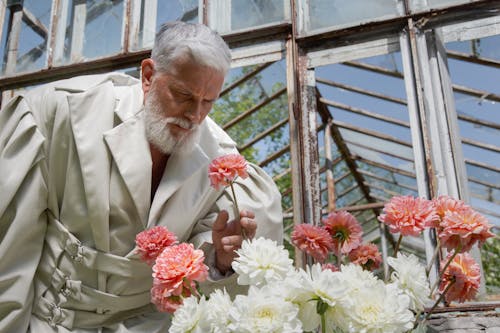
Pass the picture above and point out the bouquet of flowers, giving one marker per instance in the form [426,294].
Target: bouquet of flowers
[339,292]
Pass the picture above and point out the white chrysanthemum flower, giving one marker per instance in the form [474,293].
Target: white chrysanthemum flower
[261,261]
[377,309]
[325,284]
[188,317]
[296,288]
[410,277]
[355,278]
[262,311]
[217,310]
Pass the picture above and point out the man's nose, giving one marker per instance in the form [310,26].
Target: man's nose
[194,113]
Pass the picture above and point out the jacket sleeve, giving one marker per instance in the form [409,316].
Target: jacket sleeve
[23,201]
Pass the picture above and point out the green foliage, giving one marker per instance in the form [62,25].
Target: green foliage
[243,98]
[490,255]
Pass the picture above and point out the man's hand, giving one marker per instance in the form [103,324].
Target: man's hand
[227,237]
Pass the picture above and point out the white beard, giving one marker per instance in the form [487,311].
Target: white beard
[160,135]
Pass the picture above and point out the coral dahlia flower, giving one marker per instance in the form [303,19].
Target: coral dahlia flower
[345,231]
[178,264]
[165,301]
[313,240]
[224,169]
[367,256]
[151,242]
[409,215]
[444,204]
[463,228]
[466,274]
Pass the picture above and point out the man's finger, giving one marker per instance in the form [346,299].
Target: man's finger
[221,221]
[247,213]
[234,241]
[249,225]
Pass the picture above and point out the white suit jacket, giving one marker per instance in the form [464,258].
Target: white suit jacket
[75,189]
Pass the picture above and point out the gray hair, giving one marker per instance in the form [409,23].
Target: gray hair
[177,39]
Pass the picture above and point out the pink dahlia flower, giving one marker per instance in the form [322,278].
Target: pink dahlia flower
[151,242]
[408,215]
[463,228]
[467,276]
[178,264]
[345,231]
[367,256]
[224,169]
[313,240]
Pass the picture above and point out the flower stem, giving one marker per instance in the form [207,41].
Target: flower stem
[459,247]
[396,249]
[237,211]
[433,259]
[339,254]
[439,299]
[323,323]
[415,324]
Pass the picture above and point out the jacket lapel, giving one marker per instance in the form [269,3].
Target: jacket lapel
[90,116]
[130,150]
[179,168]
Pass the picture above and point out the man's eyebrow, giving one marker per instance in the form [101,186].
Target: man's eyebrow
[179,87]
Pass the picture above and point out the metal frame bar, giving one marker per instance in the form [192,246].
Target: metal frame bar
[253,109]
[365,113]
[361,91]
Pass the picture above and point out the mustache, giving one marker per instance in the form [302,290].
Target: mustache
[184,123]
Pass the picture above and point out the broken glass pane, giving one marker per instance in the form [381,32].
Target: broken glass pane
[154,13]
[422,5]
[340,13]
[94,29]
[474,73]
[28,37]
[252,13]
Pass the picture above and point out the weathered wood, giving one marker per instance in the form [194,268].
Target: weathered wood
[78,30]
[470,322]
[329,168]
[15,25]
[149,23]
[34,23]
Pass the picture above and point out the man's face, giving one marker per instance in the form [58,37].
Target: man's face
[177,101]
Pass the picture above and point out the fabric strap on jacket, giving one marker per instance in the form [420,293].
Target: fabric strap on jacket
[69,302]
[57,235]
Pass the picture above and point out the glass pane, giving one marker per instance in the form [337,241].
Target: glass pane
[421,5]
[94,30]
[477,100]
[165,11]
[103,28]
[371,140]
[340,13]
[31,48]
[252,13]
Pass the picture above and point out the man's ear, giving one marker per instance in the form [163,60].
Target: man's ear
[147,71]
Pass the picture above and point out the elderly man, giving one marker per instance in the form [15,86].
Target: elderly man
[89,162]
